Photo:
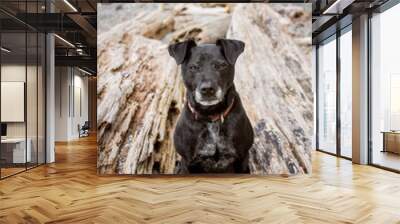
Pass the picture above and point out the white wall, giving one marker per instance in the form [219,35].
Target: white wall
[80,84]
[70,83]
[62,81]
[12,73]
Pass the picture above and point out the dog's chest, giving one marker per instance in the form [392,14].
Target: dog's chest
[212,140]
[214,134]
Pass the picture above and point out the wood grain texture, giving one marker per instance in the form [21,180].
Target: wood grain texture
[273,77]
[70,191]
[137,83]
[140,92]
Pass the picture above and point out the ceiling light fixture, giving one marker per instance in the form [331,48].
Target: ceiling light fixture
[84,71]
[70,5]
[5,50]
[79,51]
[337,7]
[64,40]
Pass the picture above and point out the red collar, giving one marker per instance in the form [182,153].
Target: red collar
[213,117]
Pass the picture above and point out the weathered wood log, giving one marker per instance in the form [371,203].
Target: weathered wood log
[203,24]
[140,92]
[142,23]
[168,22]
[273,77]
[138,83]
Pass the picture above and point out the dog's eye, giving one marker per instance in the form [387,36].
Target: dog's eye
[193,68]
[219,66]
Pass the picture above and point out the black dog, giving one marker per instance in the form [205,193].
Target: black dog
[213,133]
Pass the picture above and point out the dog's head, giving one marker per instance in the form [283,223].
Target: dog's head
[207,69]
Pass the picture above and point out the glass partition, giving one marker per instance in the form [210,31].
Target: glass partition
[14,153]
[22,77]
[327,96]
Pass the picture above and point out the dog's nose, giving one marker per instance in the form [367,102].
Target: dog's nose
[207,91]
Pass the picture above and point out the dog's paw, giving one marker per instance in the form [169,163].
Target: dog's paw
[223,165]
[180,168]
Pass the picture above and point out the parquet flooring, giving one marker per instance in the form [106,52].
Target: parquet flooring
[11,170]
[70,191]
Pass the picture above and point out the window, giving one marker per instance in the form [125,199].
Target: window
[346,93]
[385,89]
[327,96]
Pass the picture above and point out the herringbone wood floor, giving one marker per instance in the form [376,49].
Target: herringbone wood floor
[69,191]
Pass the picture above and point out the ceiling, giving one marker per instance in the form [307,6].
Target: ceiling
[75,23]
[332,15]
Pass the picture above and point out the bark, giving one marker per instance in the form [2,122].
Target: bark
[273,77]
[138,84]
[168,22]
[140,92]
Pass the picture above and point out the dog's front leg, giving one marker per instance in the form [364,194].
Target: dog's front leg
[243,165]
[227,157]
[225,164]
[182,167]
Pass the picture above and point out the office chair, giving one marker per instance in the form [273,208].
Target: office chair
[84,130]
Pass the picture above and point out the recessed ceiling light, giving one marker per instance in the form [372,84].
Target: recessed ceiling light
[84,71]
[64,40]
[5,50]
[338,6]
[70,5]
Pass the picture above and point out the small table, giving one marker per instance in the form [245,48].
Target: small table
[391,141]
[13,150]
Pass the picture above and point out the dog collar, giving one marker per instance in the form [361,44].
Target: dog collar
[214,117]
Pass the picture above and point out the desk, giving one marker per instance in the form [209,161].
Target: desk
[13,150]
[391,141]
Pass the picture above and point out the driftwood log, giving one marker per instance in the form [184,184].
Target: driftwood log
[137,84]
[140,92]
[273,77]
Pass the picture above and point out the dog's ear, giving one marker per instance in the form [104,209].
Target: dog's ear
[231,49]
[179,51]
